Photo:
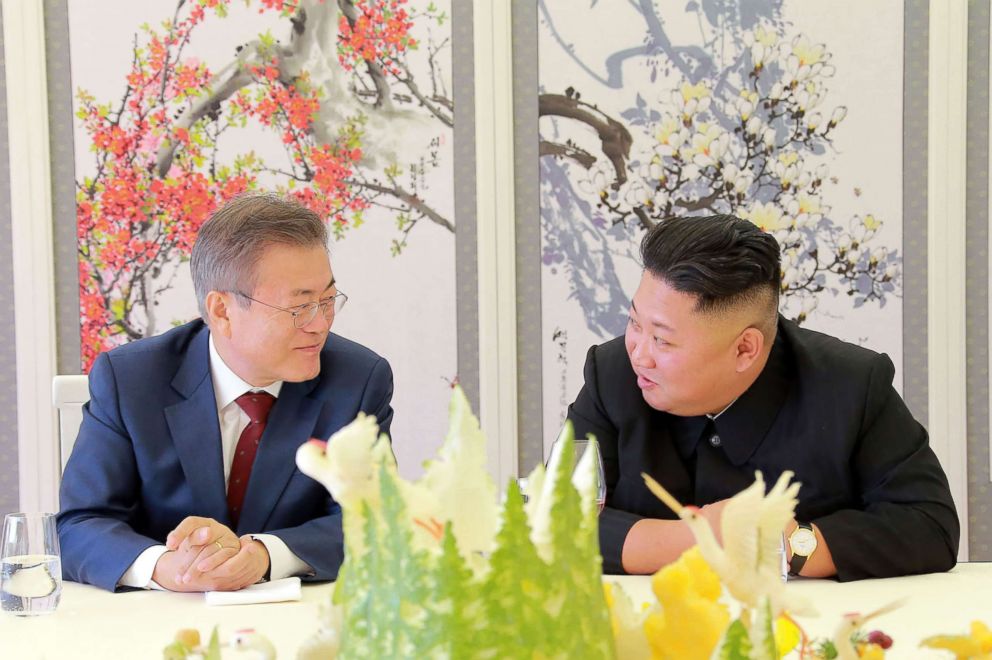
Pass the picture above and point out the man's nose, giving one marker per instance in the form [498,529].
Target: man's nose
[319,323]
[639,355]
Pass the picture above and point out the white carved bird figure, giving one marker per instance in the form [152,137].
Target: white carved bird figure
[852,622]
[456,486]
[749,562]
[249,641]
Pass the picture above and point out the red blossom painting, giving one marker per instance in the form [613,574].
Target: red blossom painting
[332,81]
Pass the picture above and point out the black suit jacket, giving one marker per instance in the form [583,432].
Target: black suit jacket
[821,407]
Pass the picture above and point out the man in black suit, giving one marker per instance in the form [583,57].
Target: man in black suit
[709,384]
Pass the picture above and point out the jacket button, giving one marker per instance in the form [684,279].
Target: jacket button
[715,440]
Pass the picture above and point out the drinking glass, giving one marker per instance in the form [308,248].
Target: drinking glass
[783,560]
[30,564]
[581,447]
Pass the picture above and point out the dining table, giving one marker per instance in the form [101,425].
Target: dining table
[92,623]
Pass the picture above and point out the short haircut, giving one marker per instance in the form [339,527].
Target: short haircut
[231,242]
[726,262]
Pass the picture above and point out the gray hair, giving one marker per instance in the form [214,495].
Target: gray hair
[230,243]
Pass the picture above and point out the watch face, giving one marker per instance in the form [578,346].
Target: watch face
[803,542]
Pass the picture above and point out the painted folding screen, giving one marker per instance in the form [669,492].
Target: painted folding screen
[778,112]
[346,106]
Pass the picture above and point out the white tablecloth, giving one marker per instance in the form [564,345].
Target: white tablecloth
[940,603]
[91,623]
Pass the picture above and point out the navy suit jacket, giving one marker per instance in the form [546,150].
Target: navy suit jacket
[148,454]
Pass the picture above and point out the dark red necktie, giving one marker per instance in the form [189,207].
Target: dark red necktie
[257,406]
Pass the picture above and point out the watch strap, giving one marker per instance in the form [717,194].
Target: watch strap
[797,561]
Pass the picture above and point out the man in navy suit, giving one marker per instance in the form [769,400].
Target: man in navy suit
[183,476]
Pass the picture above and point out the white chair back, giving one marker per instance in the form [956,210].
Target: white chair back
[69,393]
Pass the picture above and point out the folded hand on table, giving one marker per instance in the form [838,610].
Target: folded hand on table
[204,555]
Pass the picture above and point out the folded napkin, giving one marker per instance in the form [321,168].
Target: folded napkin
[275,591]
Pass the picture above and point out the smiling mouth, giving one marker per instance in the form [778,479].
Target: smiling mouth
[310,349]
[645,383]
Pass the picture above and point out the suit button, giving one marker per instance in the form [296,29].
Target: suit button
[715,440]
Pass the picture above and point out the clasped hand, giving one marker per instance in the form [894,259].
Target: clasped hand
[204,555]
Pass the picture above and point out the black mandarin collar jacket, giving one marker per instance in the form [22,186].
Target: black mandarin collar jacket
[821,407]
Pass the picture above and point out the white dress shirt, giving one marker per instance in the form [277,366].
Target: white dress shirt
[228,386]
[713,417]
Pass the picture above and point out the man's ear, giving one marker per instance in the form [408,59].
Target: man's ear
[218,306]
[749,346]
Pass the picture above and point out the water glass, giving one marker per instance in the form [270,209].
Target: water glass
[581,446]
[783,560]
[30,564]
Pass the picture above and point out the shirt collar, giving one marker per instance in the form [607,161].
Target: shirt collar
[689,430]
[713,417]
[744,424]
[228,386]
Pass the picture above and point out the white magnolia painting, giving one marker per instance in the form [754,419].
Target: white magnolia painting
[786,113]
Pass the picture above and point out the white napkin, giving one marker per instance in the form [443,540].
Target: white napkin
[275,591]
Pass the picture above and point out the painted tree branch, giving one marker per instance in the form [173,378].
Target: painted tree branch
[158,165]
[642,215]
[700,204]
[581,156]
[614,136]
[224,84]
[409,199]
[165,71]
[383,98]
[408,80]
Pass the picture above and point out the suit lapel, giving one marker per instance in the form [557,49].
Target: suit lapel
[290,424]
[196,431]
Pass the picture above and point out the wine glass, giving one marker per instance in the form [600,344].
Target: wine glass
[783,560]
[30,564]
[581,448]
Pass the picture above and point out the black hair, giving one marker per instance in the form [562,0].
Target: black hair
[724,261]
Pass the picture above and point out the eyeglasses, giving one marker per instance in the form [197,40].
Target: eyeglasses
[307,312]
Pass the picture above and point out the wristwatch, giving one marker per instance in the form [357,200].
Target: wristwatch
[802,542]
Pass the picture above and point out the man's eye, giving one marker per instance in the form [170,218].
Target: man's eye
[660,342]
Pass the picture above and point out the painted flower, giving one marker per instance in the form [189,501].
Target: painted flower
[753,125]
[807,52]
[746,103]
[786,168]
[767,216]
[597,181]
[805,209]
[672,134]
[806,100]
[655,170]
[637,194]
[694,92]
[763,44]
[692,99]
[739,180]
[838,115]
[863,228]
[709,145]
[767,38]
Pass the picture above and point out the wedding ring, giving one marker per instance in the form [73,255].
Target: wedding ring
[218,544]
